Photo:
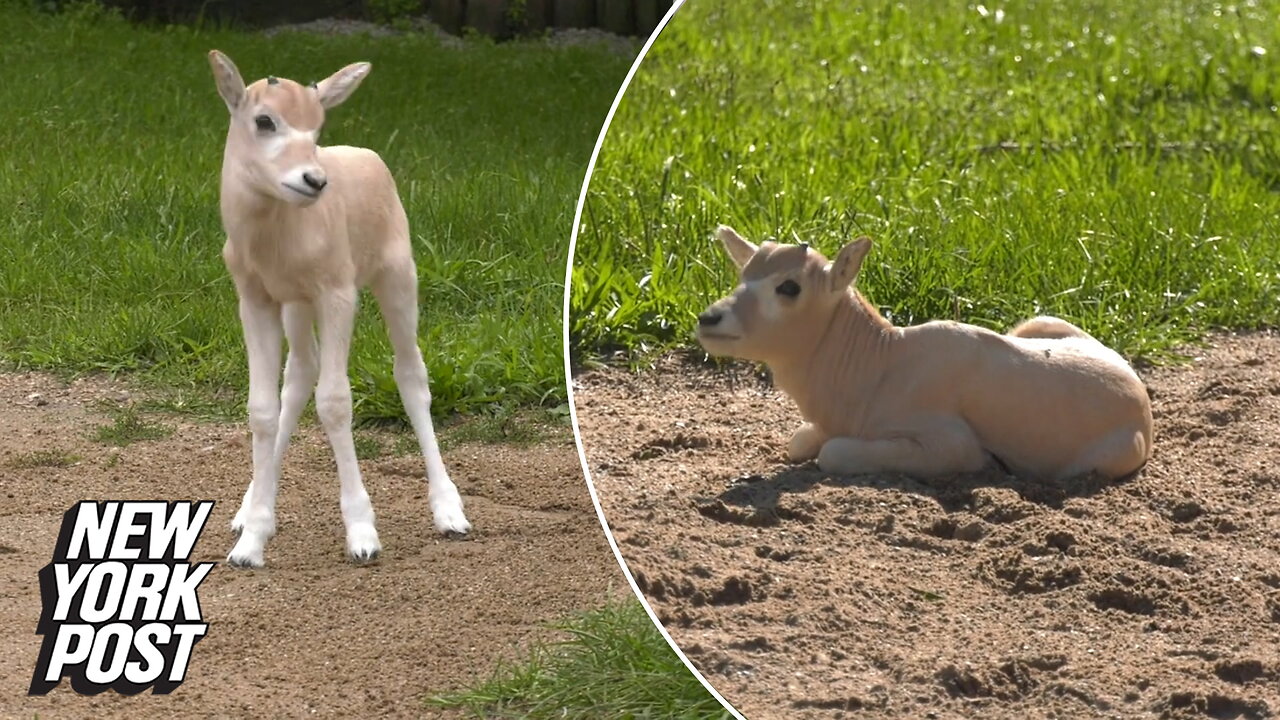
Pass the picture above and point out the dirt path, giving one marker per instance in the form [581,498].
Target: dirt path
[311,634]
[802,595]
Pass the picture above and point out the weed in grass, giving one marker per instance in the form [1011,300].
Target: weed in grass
[128,426]
[1113,164]
[614,664]
[109,247]
[51,458]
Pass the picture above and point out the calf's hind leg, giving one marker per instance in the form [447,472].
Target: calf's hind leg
[397,293]
[1115,455]
[301,370]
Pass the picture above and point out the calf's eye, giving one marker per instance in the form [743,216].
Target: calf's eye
[265,123]
[790,288]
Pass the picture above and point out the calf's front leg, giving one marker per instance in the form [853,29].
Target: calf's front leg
[336,314]
[805,443]
[256,520]
[935,446]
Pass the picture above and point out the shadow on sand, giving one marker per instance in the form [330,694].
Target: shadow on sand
[757,499]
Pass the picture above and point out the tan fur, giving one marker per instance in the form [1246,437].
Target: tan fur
[1047,399]
[292,253]
[307,228]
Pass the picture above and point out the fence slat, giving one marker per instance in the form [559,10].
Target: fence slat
[616,16]
[448,14]
[574,13]
[648,13]
[488,16]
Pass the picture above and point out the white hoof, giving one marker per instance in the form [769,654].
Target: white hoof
[362,543]
[446,508]
[247,552]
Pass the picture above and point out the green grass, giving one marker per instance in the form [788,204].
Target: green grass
[128,426]
[368,446]
[51,458]
[518,427]
[521,428]
[1117,164]
[110,245]
[613,665]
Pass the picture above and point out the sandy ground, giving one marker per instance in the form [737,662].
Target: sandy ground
[311,635]
[803,595]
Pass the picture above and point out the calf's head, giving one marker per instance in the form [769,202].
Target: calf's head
[275,128]
[784,301]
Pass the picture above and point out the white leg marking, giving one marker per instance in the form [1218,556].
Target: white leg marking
[301,369]
[336,312]
[257,516]
[237,522]
[397,292]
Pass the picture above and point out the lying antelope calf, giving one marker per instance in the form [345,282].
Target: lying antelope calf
[307,227]
[1047,400]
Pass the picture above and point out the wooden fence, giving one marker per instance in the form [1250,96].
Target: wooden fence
[501,18]
[497,18]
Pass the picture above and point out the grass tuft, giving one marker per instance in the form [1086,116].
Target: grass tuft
[128,426]
[521,428]
[613,665]
[51,458]
[368,446]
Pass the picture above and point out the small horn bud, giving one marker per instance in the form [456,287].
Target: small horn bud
[804,246]
[314,86]
[271,80]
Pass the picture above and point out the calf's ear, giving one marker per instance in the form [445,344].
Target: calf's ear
[227,78]
[738,249]
[844,269]
[336,88]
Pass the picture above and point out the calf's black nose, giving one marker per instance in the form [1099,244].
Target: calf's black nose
[313,182]
[709,319]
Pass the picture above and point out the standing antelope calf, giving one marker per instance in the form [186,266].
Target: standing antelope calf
[1047,400]
[307,228]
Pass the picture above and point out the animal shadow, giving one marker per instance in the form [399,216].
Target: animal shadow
[764,494]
